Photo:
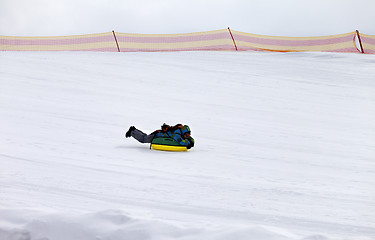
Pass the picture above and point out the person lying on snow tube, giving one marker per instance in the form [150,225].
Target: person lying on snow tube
[176,138]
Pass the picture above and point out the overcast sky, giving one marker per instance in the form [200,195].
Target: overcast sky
[268,17]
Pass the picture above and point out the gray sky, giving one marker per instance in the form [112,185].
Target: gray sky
[268,17]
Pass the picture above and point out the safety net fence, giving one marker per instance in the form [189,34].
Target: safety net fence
[368,43]
[88,42]
[210,40]
[219,40]
[334,43]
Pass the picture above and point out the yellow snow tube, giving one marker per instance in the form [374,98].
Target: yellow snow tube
[167,144]
[168,148]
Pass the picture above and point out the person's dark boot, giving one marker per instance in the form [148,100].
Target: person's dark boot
[129,132]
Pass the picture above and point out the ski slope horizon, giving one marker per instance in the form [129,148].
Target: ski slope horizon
[284,146]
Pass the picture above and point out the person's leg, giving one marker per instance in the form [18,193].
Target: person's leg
[141,136]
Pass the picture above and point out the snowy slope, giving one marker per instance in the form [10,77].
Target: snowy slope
[285,146]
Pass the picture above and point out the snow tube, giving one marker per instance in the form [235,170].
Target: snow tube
[167,144]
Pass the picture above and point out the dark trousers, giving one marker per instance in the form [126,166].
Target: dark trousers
[141,136]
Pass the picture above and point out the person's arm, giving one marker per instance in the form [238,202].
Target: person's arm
[191,140]
[188,142]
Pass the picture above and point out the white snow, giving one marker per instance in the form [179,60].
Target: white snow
[285,146]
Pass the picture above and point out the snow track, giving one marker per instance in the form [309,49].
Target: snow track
[284,146]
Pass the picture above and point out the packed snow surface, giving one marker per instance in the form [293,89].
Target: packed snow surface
[285,146]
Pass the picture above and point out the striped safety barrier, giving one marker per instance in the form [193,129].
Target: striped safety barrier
[89,42]
[219,40]
[368,43]
[210,40]
[334,43]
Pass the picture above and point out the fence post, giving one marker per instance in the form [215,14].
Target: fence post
[114,35]
[359,40]
[235,45]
